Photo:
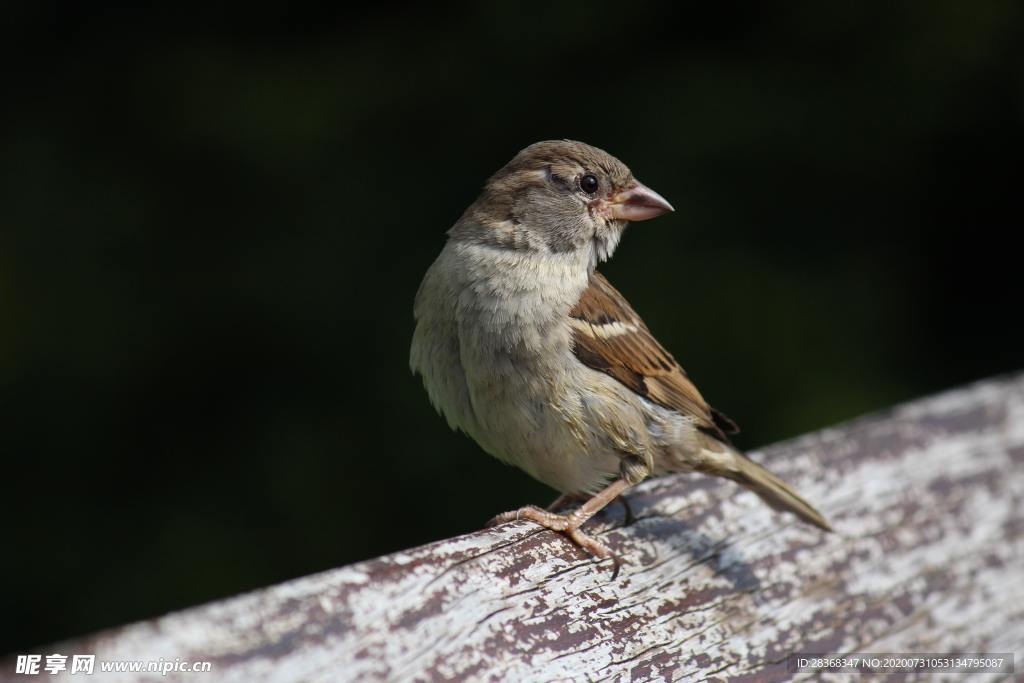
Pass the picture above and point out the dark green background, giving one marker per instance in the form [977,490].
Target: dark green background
[212,226]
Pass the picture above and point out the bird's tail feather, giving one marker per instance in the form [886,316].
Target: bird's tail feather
[772,490]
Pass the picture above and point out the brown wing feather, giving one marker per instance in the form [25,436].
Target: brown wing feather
[610,337]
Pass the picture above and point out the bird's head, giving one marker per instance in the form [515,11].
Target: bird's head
[560,195]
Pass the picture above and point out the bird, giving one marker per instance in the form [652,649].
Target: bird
[523,345]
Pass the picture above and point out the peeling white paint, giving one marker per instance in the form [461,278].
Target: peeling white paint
[928,504]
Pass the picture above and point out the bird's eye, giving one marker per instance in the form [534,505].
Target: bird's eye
[588,184]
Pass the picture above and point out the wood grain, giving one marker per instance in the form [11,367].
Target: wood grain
[928,556]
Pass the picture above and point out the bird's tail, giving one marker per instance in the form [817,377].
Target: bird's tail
[772,490]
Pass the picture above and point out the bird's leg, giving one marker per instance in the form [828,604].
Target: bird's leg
[569,524]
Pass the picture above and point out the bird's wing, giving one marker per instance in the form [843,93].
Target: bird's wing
[609,336]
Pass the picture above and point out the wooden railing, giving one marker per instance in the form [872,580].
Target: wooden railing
[928,556]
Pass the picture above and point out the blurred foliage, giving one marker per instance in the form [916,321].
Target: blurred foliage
[212,226]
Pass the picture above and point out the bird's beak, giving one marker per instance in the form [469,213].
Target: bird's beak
[637,203]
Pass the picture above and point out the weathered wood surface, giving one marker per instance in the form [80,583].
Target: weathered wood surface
[928,504]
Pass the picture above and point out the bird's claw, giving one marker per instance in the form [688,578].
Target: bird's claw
[568,524]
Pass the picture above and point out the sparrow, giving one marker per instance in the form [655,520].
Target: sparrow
[526,348]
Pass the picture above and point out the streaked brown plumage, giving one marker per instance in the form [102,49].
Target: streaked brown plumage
[609,336]
[632,355]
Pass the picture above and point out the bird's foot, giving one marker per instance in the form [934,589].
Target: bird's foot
[568,524]
[567,499]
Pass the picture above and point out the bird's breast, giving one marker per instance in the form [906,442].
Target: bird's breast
[510,379]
